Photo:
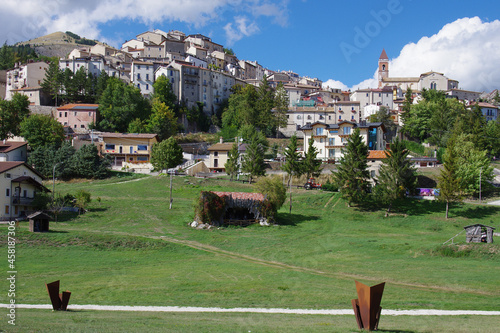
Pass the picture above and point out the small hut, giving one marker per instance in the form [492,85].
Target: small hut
[233,208]
[39,222]
[479,233]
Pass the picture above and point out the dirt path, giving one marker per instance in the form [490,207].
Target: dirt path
[428,312]
[238,256]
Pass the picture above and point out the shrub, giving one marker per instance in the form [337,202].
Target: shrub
[330,187]
[209,208]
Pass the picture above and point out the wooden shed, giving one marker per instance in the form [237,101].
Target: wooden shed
[479,233]
[39,222]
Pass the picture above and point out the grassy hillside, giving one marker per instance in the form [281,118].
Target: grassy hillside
[130,249]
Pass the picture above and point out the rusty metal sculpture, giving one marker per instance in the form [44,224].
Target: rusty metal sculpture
[59,301]
[367,306]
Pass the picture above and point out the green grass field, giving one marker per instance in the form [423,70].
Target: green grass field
[131,249]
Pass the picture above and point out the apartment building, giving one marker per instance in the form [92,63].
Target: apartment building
[142,76]
[29,75]
[330,139]
[128,147]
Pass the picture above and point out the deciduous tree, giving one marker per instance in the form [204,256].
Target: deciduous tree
[12,113]
[166,154]
[40,130]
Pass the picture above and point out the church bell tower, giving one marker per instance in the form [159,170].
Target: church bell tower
[383,68]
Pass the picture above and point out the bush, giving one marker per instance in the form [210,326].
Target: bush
[274,191]
[414,147]
[330,187]
[209,208]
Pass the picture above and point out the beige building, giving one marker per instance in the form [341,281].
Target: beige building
[218,155]
[13,151]
[19,184]
[131,148]
[29,75]
[330,139]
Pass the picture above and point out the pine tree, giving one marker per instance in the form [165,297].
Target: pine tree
[352,173]
[281,107]
[253,162]
[448,181]
[52,83]
[311,165]
[232,165]
[397,175]
[293,165]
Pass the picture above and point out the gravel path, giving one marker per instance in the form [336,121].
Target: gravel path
[422,312]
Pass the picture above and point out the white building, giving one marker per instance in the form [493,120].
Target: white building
[142,76]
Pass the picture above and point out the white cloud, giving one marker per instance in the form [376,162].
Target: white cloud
[241,29]
[335,85]
[35,18]
[465,50]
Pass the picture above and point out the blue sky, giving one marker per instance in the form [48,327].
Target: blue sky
[338,42]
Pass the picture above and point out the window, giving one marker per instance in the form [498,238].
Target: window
[147,76]
[138,66]
[138,76]
[331,141]
[142,147]
[319,131]
[138,86]
[25,193]
[7,192]
[8,175]
[60,114]
[331,153]
[340,117]
[74,126]
[347,130]
[308,117]
[82,126]
[320,140]
[147,86]
[110,146]
[299,117]
[65,114]
[75,113]
[142,158]
[90,114]
[216,153]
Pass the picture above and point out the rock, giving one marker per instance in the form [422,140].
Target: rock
[264,223]
[194,224]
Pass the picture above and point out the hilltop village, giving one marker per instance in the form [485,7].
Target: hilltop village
[124,101]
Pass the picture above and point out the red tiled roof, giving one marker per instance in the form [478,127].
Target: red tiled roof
[242,195]
[70,106]
[376,154]
[128,135]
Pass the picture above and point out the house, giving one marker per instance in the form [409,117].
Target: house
[128,147]
[29,75]
[19,184]
[218,155]
[329,139]
[36,95]
[375,158]
[490,111]
[13,151]
[77,117]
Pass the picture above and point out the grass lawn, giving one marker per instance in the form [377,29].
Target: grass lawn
[131,249]
[114,321]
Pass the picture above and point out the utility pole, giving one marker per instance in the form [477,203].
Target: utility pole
[171,200]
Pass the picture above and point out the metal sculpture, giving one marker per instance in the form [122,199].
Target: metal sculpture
[59,301]
[367,306]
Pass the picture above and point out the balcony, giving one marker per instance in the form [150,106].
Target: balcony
[23,201]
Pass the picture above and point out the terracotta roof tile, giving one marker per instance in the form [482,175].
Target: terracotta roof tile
[376,154]
[242,195]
